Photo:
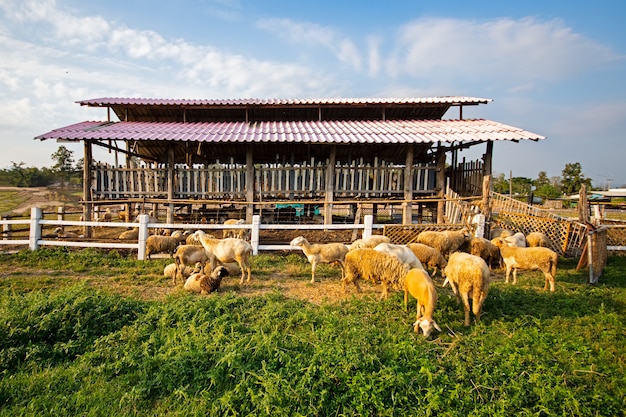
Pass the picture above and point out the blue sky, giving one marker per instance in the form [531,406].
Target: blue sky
[556,68]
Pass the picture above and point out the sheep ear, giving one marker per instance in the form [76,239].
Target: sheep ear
[436,326]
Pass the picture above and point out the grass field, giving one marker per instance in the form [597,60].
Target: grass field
[90,333]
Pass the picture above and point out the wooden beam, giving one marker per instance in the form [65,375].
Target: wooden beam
[407,212]
[330,186]
[88,207]
[170,182]
[440,183]
[249,184]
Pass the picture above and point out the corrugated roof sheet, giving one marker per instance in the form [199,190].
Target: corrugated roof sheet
[120,101]
[338,132]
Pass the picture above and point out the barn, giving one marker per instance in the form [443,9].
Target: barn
[198,159]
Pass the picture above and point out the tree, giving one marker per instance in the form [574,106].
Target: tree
[64,164]
[573,178]
[546,188]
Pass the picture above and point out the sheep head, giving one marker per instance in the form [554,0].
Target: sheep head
[426,325]
[299,241]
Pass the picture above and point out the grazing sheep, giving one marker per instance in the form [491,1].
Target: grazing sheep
[536,258]
[429,256]
[518,239]
[402,252]
[238,233]
[446,242]
[158,243]
[484,248]
[321,253]
[468,276]
[189,255]
[205,284]
[228,250]
[374,266]
[171,271]
[369,242]
[537,239]
[132,234]
[417,282]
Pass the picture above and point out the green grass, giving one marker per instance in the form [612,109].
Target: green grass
[72,346]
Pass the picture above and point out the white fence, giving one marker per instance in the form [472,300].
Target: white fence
[35,240]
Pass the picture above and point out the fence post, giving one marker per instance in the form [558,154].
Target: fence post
[36,214]
[368,223]
[6,230]
[60,213]
[479,221]
[254,234]
[143,235]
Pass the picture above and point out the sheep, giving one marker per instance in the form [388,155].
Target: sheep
[402,252]
[537,239]
[499,232]
[194,238]
[107,216]
[158,243]
[374,266]
[429,256]
[418,283]
[205,284]
[369,242]
[228,250]
[189,255]
[484,248]
[446,242]
[535,258]
[518,239]
[132,234]
[61,233]
[317,253]
[238,233]
[468,276]
[171,271]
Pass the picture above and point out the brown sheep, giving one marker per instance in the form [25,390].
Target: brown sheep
[376,267]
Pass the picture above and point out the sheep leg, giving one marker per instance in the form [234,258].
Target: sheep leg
[384,294]
[466,305]
[508,272]
[549,281]
[313,268]
[477,302]
[514,276]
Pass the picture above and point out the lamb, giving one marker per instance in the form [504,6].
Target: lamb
[446,242]
[537,239]
[369,242]
[228,250]
[205,284]
[238,233]
[402,252]
[429,256]
[468,276]
[374,266]
[188,255]
[158,243]
[518,239]
[484,248]
[418,283]
[535,258]
[321,253]
[171,271]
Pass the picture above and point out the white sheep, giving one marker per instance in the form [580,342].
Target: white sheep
[194,238]
[537,239]
[171,271]
[369,242]
[205,284]
[429,256]
[186,255]
[228,250]
[158,243]
[518,239]
[468,276]
[132,234]
[402,252]
[446,242]
[536,258]
[238,233]
[376,267]
[418,283]
[484,248]
[320,253]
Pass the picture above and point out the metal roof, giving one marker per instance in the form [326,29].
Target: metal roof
[328,132]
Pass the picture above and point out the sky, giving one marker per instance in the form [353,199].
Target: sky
[556,68]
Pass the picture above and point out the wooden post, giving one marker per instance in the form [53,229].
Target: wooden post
[441,183]
[87,167]
[330,186]
[171,164]
[249,184]
[486,203]
[583,205]
[407,212]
